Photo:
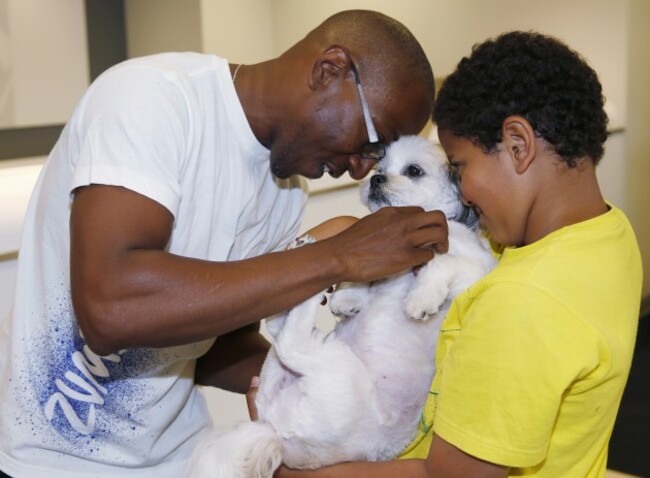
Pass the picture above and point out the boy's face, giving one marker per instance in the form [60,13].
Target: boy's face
[489,184]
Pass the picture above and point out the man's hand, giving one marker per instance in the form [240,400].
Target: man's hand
[389,241]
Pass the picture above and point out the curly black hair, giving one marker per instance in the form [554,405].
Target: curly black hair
[531,75]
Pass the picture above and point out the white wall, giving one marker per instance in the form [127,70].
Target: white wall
[43,61]
[240,31]
[154,26]
[7,285]
[17,179]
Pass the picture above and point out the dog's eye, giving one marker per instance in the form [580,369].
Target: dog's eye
[414,171]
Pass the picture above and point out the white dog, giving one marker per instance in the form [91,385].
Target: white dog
[357,392]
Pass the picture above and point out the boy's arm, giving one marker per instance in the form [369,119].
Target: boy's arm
[444,461]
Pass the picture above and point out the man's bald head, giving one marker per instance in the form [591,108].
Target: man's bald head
[387,54]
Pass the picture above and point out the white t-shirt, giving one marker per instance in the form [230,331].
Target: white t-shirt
[170,127]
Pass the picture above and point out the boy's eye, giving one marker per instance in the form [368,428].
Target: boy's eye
[414,171]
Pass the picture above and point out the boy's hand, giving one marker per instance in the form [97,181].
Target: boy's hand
[250,398]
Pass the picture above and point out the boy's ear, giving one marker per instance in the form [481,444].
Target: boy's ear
[334,62]
[519,140]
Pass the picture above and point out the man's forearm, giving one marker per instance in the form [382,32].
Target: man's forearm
[164,300]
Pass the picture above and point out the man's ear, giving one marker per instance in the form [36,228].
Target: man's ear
[519,141]
[334,62]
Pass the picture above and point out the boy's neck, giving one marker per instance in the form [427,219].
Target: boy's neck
[569,196]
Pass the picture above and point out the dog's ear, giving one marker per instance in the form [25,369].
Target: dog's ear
[333,63]
[519,142]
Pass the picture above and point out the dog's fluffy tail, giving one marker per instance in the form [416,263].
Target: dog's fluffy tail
[252,450]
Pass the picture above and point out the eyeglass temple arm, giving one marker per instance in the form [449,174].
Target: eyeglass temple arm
[370,126]
[372,132]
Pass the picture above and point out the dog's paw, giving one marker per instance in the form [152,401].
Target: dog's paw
[421,304]
[346,302]
[342,307]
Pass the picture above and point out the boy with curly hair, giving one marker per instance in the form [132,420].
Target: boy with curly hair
[533,359]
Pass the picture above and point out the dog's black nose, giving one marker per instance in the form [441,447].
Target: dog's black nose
[377,179]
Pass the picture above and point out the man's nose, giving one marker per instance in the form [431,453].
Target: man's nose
[360,167]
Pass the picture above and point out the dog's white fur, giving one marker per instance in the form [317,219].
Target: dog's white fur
[357,393]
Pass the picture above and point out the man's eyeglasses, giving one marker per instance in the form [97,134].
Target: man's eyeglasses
[374,149]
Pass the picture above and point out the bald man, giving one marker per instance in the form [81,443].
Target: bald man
[155,240]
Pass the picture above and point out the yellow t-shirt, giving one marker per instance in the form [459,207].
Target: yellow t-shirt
[532,360]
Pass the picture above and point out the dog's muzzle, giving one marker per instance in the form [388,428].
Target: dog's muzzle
[376,180]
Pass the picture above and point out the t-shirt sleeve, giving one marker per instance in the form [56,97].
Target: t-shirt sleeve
[503,379]
[134,131]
